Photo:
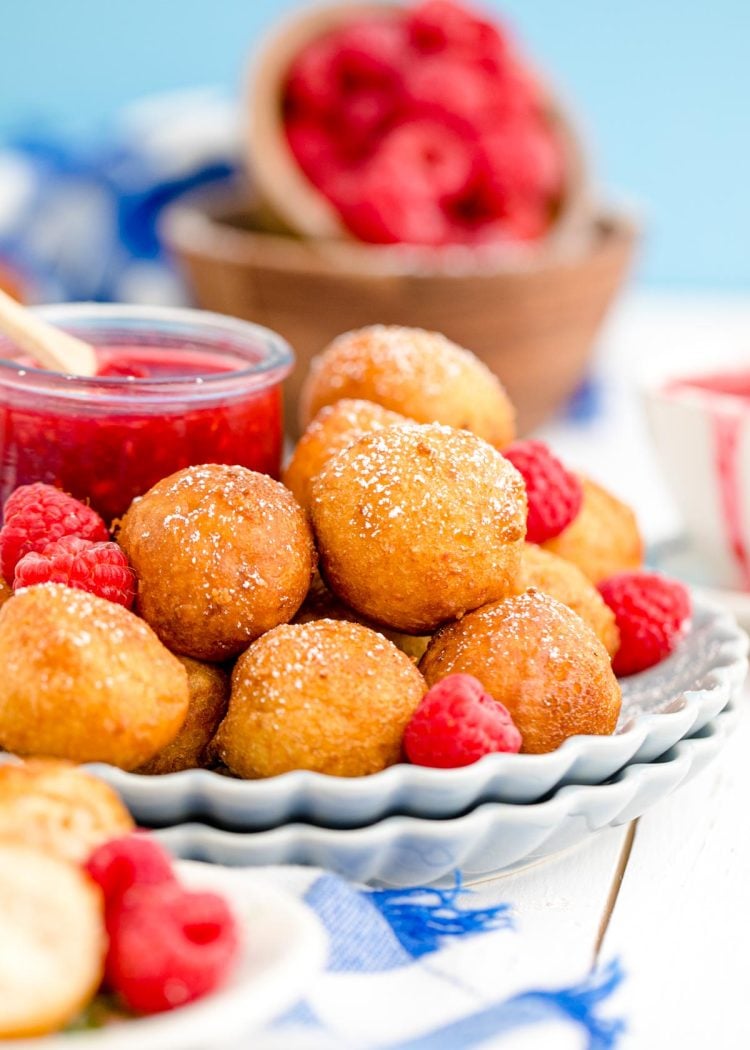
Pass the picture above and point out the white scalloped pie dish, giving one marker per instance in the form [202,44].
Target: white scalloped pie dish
[660,707]
[494,837]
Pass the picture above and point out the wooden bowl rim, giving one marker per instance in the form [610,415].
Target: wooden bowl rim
[197,225]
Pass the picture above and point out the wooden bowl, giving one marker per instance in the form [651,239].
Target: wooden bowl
[533,320]
[287,193]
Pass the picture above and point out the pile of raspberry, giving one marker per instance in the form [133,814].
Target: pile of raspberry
[168,946]
[49,537]
[424,127]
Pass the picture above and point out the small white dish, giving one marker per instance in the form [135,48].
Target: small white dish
[495,837]
[660,707]
[679,558]
[284,948]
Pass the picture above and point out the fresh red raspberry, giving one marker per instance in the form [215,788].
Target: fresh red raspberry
[651,613]
[123,863]
[444,25]
[457,723]
[99,568]
[554,494]
[169,946]
[37,515]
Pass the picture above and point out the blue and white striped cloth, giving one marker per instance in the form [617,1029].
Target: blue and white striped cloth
[430,969]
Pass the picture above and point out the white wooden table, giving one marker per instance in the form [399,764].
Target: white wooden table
[669,894]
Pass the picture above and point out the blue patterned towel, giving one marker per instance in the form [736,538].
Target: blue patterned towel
[430,969]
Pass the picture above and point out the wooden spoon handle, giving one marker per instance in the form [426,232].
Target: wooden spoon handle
[50,347]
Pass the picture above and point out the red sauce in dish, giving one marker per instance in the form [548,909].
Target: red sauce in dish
[110,455]
[726,413]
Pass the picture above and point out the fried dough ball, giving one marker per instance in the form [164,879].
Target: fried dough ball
[209,695]
[84,679]
[420,374]
[52,941]
[418,524]
[59,808]
[6,592]
[563,580]
[603,539]
[320,604]
[536,656]
[334,428]
[330,696]
[222,554]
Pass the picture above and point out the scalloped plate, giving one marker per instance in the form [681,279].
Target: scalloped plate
[284,948]
[660,707]
[494,837]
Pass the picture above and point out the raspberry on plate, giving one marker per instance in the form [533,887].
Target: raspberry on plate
[169,946]
[652,613]
[123,863]
[99,568]
[37,515]
[555,494]
[457,723]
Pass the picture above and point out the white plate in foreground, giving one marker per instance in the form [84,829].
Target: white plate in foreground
[284,948]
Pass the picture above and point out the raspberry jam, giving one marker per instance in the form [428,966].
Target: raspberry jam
[186,397]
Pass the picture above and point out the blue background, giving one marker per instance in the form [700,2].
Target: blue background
[663,88]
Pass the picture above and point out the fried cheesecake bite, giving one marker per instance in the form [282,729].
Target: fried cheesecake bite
[222,554]
[58,808]
[320,604]
[537,657]
[603,539]
[52,941]
[420,374]
[330,696]
[208,686]
[333,429]
[85,680]
[417,524]
[553,575]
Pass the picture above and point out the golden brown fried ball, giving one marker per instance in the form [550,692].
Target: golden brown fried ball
[209,696]
[418,524]
[539,659]
[222,554]
[59,808]
[53,941]
[333,429]
[603,539]
[563,580]
[86,680]
[6,592]
[320,604]
[420,374]
[330,696]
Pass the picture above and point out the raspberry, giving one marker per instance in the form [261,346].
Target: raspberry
[451,88]
[99,568]
[651,613]
[37,515]
[444,25]
[554,494]
[168,946]
[457,723]
[122,863]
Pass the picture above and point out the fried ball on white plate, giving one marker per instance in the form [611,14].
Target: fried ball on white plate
[84,679]
[59,808]
[417,524]
[330,696]
[537,657]
[209,696]
[222,554]
[334,428]
[420,374]
[52,941]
